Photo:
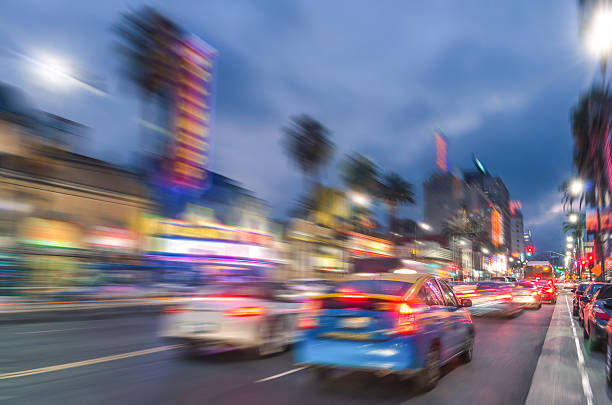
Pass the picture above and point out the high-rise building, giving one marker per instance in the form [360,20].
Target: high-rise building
[443,196]
[517,234]
[496,191]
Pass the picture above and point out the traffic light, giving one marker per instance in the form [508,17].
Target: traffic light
[529,251]
[591,259]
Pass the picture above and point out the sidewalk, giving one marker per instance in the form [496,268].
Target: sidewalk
[559,375]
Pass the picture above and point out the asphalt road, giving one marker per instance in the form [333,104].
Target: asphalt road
[123,361]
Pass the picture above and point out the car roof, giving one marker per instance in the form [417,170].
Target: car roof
[407,278]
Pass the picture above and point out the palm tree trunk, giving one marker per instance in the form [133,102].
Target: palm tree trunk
[392,212]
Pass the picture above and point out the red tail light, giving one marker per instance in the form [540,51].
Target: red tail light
[309,317]
[406,321]
[353,298]
[243,312]
[176,309]
[549,290]
[535,293]
[601,314]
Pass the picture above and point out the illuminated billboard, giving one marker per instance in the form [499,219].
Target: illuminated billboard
[496,228]
[605,217]
[193,115]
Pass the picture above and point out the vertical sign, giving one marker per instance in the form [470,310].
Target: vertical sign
[496,227]
[193,115]
[515,205]
[441,152]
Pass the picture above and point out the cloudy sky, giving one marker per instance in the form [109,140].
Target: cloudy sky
[499,78]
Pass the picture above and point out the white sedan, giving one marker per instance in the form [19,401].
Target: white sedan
[233,316]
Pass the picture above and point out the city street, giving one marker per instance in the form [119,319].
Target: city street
[122,360]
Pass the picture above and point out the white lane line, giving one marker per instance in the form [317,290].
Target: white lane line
[272,377]
[586,385]
[54,330]
[16,374]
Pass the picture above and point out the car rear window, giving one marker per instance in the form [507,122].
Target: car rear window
[582,287]
[525,285]
[382,287]
[594,288]
[605,293]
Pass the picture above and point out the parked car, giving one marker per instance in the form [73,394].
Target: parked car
[403,324]
[609,353]
[586,297]
[597,313]
[578,291]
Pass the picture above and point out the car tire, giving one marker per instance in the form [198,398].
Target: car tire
[428,378]
[539,306]
[585,334]
[575,312]
[592,342]
[609,364]
[468,352]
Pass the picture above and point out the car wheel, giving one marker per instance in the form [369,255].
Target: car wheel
[609,364]
[585,335]
[468,352]
[575,312]
[429,377]
[266,341]
[539,306]
[592,342]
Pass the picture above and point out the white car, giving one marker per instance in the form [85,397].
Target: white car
[233,316]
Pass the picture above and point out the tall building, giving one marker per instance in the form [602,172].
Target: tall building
[527,238]
[517,234]
[496,191]
[443,196]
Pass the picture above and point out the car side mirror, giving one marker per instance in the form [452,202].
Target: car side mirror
[466,302]
[584,299]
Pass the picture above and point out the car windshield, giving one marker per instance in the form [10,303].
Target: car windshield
[250,290]
[382,287]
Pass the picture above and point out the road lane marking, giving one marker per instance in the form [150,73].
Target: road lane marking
[56,330]
[272,377]
[16,374]
[586,385]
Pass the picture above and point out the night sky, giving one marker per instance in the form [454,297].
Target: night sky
[499,78]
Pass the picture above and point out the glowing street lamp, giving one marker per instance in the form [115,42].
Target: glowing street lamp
[569,245]
[359,199]
[53,70]
[425,226]
[569,239]
[573,218]
[599,35]
[576,187]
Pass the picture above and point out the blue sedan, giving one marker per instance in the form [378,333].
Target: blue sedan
[407,324]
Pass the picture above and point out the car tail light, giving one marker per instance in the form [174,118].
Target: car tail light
[406,320]
[504,297]
[549,290]
[309,317]
[601,314]
[176,309]
[243,312]
[535,293]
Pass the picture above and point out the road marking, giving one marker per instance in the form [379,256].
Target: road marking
[56,330]
[586,385]
[272,377]
[97,360]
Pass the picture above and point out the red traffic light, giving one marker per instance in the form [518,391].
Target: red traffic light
[590,257]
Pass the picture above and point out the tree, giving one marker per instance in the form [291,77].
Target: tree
[394,191]
[146,48]
[308,145]
[590,121]
[360,174]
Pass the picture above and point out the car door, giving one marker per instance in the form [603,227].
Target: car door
[457,328]
[438,312]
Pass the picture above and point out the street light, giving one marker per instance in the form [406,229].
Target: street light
[573,218]
[425,226]
[485,250]
[569,245]
[569,239]
[576,187]
[359,199]
[54,70]
[599,35]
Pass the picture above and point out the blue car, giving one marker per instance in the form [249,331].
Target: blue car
[407,324]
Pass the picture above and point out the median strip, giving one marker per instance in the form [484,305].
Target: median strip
[17,374]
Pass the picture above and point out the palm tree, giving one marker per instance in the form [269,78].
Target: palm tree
[360,174]
[308,145]
[394,191]
[591,128]
[146,48]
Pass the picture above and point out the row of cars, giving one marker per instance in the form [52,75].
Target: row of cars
[403,323]
[592,305]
